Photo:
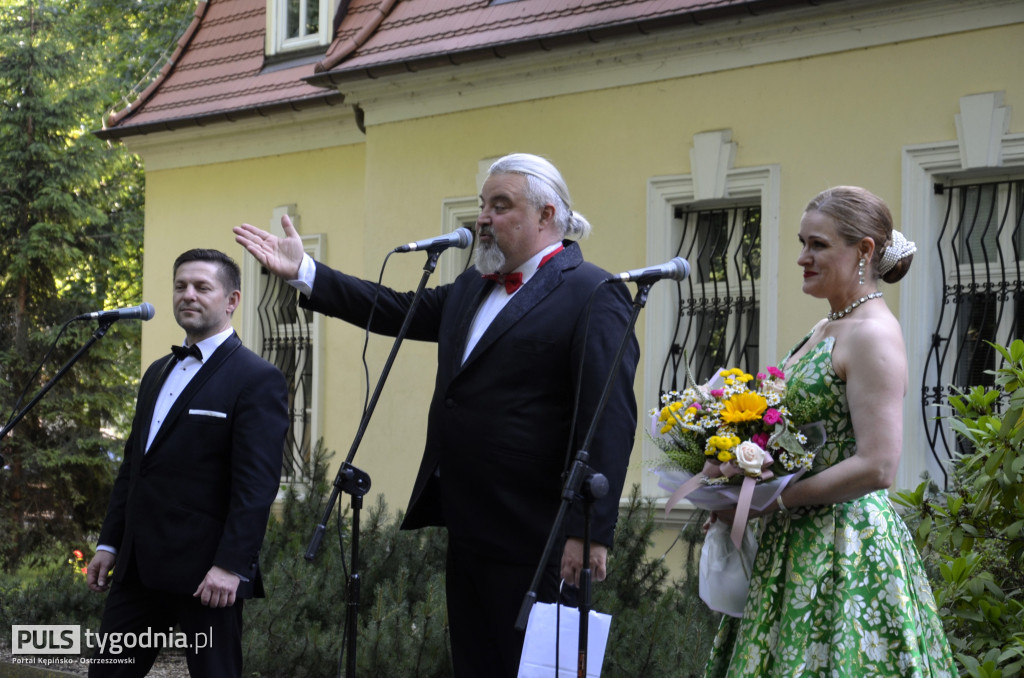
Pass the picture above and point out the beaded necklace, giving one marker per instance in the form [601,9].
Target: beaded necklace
[836,315]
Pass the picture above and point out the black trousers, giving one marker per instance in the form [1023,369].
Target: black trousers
[484,598]
[214,635]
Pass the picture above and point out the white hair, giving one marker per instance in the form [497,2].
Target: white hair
[545,186]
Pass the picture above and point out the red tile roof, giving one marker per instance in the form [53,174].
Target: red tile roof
[219,71]
[381,36]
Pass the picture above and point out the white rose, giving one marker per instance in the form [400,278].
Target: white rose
[749,457]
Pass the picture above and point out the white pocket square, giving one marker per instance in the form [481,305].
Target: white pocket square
[208,413]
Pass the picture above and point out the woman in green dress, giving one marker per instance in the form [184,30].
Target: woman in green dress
[838,589]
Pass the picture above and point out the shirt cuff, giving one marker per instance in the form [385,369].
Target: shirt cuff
[104,547]
[307,272]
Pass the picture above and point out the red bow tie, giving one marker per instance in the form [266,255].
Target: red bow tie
[511,281]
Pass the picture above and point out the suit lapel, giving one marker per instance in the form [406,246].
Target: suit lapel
[147,400]
[478,291]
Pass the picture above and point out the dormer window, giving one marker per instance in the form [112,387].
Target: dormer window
[297,25]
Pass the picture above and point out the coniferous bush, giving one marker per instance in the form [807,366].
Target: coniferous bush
[660,627]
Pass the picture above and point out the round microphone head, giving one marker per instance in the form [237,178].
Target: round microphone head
[465,237]
[146,310]
[682,269]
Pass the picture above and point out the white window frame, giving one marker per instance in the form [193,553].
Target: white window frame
[664,195]
[456,213]
[984,150]
[278,41]
[252,337]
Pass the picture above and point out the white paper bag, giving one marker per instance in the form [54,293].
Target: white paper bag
[538,660]
[725,571]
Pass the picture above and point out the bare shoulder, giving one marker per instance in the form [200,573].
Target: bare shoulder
[872,344]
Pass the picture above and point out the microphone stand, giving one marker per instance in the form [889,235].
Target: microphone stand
[104,325]
[356,483]
[583,482]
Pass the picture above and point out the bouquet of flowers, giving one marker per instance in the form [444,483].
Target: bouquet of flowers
[733,442]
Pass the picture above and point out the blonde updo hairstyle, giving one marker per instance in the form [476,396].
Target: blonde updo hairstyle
[858,214]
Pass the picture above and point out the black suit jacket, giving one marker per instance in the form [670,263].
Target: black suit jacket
[498,432]
[202,494]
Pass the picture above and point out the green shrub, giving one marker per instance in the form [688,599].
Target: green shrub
[659,626]
[47,590]
[298,629]
[973,535]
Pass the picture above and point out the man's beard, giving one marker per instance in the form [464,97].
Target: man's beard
[488,258]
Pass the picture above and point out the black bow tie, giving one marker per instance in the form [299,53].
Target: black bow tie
[182,352]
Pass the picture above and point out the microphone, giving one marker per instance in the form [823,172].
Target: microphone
[460,237]
[143,311]
[677,269]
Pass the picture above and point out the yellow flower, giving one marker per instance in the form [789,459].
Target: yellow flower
[746,406]
[723,442]
[669,410]
[724,456]
[668,416]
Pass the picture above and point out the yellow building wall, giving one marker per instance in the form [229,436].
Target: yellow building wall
[835,119]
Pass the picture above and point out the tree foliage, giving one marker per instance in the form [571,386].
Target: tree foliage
[70,241]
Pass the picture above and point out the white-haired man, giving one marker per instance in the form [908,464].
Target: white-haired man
[512,334]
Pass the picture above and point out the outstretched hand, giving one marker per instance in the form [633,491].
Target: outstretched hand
[281,256]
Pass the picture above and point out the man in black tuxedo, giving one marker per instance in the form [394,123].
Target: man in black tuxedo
[512,359]
[202,466]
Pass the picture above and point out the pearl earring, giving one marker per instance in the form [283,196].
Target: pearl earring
[860,270]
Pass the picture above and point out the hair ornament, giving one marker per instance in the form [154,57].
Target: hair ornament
[898,248]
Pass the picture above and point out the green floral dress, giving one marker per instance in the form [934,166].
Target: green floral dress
[837,591]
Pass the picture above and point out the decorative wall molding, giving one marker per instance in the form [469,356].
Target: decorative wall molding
[979,126]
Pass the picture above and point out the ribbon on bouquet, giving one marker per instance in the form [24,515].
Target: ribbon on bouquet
[727,469]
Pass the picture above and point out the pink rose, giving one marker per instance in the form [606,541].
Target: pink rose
[772,416]
[717,392]
[761,439]
[776,372]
